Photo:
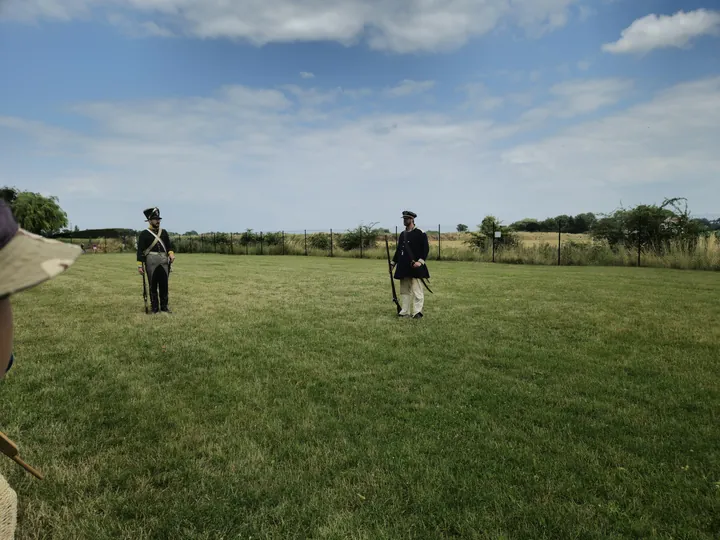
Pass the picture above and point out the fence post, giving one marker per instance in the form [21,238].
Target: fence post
[361,244]
[283,242]
[559,240]
[331,243]
[306,242]
[105,244]
[397,238]
[214,242]
[261,243]
[232,249]
[438,241]
[639,244]
[493,242]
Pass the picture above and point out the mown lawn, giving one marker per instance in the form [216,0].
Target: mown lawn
[284,399]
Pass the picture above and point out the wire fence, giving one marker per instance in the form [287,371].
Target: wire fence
[501,246]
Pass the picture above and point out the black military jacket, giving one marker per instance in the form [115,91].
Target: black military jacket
[420,248]
[147,238]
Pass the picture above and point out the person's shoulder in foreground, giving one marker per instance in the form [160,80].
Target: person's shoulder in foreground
[26,260]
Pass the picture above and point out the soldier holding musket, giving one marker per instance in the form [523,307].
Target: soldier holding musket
[154,257]
[410,268]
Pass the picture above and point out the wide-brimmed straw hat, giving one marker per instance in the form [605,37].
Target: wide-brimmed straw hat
[26,259]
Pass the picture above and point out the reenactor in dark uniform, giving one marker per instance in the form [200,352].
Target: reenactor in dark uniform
[154,257]
[410,268]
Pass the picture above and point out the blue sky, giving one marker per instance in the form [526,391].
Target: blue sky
[316,115]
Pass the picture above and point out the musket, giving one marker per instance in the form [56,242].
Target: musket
[392,281]
[9,448]
[144,289]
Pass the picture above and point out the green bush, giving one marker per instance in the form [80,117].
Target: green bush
[319,240]
[482,239]
[363,235]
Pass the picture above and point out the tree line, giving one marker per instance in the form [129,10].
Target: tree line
[587,222]
[646,226]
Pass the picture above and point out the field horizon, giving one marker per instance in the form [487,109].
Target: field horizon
[283,398]
[533,248]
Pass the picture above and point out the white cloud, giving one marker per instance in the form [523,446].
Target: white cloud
[655,32]
[132,28]
[409,87]
[307,75]
[669,139]
[395,25]
[585,96]
[311,152]
[61,10]
[482,100]
[575,98]
[585,12]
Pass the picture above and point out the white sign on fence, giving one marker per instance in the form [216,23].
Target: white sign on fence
[498,234]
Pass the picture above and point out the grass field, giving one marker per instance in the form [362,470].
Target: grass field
[284,399]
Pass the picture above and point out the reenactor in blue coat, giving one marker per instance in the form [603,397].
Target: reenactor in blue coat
[410,268]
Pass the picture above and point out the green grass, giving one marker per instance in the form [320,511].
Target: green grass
[290,402]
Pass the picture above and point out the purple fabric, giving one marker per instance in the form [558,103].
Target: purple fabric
[8,225]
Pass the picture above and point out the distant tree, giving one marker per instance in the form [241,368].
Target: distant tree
[651,227]
[462,227]
[248,237]
[583,223]
[483,237]
[525,225]
[711,225]
[272,238]
[564,222]
[38,214]
[490,225]
[191,233]
[364,235]
[9,194]
[548,225]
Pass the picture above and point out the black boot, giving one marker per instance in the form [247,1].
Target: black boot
[164,303]
[154,301]
[163,286]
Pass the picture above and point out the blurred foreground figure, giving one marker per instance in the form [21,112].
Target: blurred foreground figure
[26,260]
[154,257]
[409,261]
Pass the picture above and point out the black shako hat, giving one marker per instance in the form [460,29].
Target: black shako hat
[408,213]
[152,213]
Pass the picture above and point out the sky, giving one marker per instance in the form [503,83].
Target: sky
[316,114]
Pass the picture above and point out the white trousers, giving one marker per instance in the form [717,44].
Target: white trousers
[412,296]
